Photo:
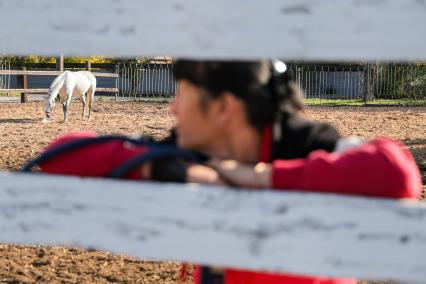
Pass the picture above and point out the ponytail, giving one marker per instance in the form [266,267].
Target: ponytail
[285,94]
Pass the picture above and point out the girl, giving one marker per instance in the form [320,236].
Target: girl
[244,117]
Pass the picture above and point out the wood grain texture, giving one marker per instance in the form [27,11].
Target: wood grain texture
[259,230]
[289,29]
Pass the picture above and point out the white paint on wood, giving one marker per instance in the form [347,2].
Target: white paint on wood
[260,230]
[289,29]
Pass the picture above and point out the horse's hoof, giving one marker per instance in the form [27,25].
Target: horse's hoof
[45,120]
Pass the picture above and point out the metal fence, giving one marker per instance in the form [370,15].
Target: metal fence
[146,80]
[360,83]
[364,83]
[368,83]
[4,79]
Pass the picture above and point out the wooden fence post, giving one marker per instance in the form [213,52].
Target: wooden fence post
[60,63]
[22,82]
[88,66]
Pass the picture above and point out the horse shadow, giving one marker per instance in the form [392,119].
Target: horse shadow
[18,120]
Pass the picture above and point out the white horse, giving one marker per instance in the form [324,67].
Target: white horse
[80,83]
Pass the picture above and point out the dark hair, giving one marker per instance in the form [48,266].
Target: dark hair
[265,91]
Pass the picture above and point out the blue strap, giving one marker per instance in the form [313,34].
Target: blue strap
[156,152]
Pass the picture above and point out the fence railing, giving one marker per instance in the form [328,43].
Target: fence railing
[387,83]
[4,78]
[313,234]
[146,80]
[22,85]
[361,83]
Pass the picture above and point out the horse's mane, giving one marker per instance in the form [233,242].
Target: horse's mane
[57,83]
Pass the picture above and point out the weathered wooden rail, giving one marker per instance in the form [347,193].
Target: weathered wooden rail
[318,234]
[290,29]
[276,231]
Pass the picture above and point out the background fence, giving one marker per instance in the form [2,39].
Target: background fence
[39,76]
[369,83]
[146,80]
[354,83]
[4,79]
[347,84]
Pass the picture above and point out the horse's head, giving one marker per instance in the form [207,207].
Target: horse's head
[49,106]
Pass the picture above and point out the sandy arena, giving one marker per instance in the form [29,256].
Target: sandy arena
[23,135]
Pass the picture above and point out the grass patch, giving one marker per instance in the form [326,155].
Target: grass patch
[147,99]
[13,94]
[344,102]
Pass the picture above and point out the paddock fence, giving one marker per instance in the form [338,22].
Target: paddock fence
[370,83]
[36,78]
[361,83]
[329,84]
[146,80]
[4,78]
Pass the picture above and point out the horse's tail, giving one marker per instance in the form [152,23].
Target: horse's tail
[58,83]
[92,83]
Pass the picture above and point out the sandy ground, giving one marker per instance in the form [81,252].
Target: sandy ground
[23,135]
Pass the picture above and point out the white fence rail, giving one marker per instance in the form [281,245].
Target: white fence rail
[291,29]
[315,234]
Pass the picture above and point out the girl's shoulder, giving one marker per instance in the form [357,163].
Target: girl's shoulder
[301,136]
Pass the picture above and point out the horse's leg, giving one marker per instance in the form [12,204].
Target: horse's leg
[65,108]
[66,105]
[83,99]
[90,97]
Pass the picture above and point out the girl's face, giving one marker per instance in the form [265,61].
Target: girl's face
[198,119]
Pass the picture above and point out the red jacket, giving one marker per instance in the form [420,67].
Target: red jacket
[381,167]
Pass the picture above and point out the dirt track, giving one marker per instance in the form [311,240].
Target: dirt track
[23,135]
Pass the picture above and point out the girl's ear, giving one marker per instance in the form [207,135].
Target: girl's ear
[230,107]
